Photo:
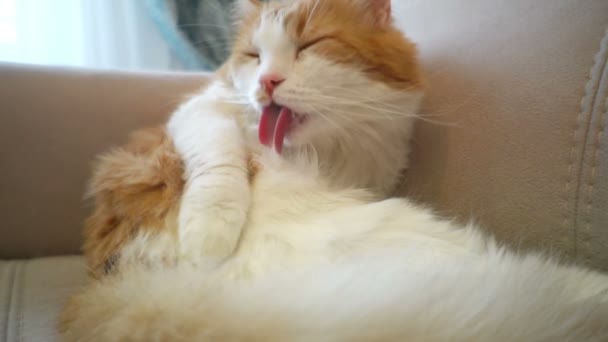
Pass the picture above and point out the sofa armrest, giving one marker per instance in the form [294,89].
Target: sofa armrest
[53,122]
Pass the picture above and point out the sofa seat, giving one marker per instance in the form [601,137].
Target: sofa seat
[519,89]
[32,293]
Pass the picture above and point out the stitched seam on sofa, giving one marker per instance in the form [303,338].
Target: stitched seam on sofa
[594,167]
[587,103]
[16,303]
[13,306]
[586,188]
[20,301]
[570,172]
[11,280]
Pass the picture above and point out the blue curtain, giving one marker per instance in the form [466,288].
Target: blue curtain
[198,31]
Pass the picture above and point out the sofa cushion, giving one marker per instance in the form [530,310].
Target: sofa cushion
[56,120]
[32,293]
[521,88]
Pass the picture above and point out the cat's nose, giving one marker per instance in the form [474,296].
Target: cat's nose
[270,82]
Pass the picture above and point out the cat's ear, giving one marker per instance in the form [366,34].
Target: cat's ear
[383,11]
[242,8]
[379,10]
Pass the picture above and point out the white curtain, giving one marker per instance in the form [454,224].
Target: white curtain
[108,34]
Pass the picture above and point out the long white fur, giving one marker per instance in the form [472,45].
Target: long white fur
[316,264]
[358,128]
[214,205]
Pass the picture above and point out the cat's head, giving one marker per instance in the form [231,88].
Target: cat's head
[323,70]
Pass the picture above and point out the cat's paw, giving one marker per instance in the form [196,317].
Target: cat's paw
[207,237]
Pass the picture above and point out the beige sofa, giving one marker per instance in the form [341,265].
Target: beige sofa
[521,88]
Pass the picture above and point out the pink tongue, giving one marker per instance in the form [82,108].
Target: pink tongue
[274,124]
[268,121]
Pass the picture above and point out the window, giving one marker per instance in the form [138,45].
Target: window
[84,33]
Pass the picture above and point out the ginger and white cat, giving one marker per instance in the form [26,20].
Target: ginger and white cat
[333,80]
[208,236]
[319,264]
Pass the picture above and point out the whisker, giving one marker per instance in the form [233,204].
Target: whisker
[327,119]
[311,13]
[383,101]
[360,95]
[342,115]
[375,108]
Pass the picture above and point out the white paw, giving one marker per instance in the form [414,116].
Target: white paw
[208,237]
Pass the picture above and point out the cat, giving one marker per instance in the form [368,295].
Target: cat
[317,259]
[319,264]
[333,80]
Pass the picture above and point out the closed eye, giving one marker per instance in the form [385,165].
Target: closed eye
[312,42]
[252,54]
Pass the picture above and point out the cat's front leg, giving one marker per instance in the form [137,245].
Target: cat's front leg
[212,213]
[216,199]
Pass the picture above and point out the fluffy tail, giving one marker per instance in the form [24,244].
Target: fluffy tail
[133,187]
[363,301]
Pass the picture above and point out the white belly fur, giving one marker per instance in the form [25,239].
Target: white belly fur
[320,265]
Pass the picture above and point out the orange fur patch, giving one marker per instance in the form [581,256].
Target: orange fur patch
[347,33]
[134,188]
